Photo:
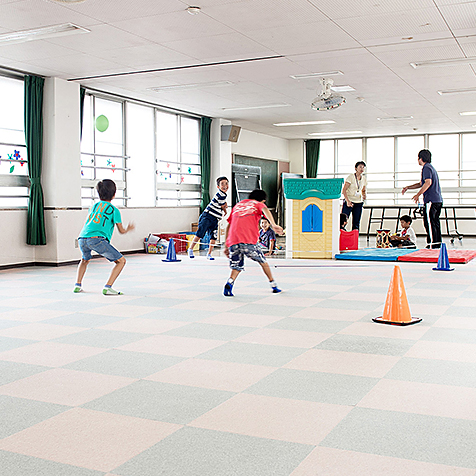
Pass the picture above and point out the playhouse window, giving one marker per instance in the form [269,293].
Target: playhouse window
[312,219]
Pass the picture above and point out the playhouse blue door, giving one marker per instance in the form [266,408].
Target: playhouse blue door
[312,219]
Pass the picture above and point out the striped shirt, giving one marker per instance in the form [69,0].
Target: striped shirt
[214,207]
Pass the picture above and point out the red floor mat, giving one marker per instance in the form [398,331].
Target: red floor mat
[431,256]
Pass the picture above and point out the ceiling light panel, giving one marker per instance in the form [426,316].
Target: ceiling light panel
[342,89]
[446,62]
[307,123]
[41,33]
[395,118]
[456,91]
[333,133]
[316,75]
[468,113]
[264,106]
[181,87]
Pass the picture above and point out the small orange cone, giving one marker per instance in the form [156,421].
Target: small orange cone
[396,311]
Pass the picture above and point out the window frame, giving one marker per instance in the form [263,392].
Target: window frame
[90,183]
[8,180]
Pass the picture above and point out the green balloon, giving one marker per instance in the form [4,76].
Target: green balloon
[102,123]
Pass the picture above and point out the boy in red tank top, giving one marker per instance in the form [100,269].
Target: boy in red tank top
[242,235]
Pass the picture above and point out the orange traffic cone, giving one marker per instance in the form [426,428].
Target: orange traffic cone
[396,311]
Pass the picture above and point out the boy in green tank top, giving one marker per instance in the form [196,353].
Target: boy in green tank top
[96,234]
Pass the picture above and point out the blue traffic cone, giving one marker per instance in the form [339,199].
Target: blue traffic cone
[443,261]
[171,256]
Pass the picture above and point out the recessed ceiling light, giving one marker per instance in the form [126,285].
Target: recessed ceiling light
[474,125]
[395,118]
[457,91]
[468,113]
[193,10]
[342,89]
[307,123]
[41,33]
[333,133]
[175,87]
[264,106]
[316,75]
[447,62]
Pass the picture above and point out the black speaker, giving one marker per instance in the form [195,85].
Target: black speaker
[230,133]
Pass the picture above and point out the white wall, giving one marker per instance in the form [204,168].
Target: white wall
[63,227]
[261,146]
[61,173]
[296,156]
[13,247]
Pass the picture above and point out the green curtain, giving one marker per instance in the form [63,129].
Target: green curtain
[82,93]
[312,157]
[205,161]
[35,228]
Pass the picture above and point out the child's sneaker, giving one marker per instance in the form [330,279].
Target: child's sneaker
[275,289]
[210,257]
[111,292]
[190,253]
[228,289]
[77,289]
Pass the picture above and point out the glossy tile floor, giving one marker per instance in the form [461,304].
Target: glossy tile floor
[173,378]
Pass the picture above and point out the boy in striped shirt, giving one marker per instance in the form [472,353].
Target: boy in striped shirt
[208,220]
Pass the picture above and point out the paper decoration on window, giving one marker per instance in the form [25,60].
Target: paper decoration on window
[170,175]
[12,168]
[113,167]
[102,123]
[16,154]
[109,161]
[182,178]
[168,166]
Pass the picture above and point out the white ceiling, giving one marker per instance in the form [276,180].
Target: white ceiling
[367,40]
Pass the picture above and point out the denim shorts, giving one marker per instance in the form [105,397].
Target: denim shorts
[240,250]
[100,245]
[208,223]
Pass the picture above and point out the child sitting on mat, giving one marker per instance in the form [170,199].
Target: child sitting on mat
[407,237]
[96,234]
[242,237]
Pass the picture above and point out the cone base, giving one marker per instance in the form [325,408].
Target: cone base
[443,269]
[380,320]
[171,260]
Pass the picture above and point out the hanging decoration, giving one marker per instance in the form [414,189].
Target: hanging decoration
[182,178]
[189,170]
[102,123]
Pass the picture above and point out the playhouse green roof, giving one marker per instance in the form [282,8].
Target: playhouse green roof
[325,189]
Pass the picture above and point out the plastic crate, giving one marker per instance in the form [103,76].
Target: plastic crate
[180,241]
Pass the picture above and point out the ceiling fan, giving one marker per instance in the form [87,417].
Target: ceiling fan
[327,99]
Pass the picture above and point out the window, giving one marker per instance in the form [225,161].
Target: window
[349,151]
[445,158]
[468,162]
[102,148]
[140,177]
[14,182]
[380,162]
[152,155]
[178,160]
[407,169]
[325,167]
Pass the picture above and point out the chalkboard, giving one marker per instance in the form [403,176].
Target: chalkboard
[269,176]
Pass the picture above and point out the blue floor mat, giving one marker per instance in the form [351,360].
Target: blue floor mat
[375,254]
